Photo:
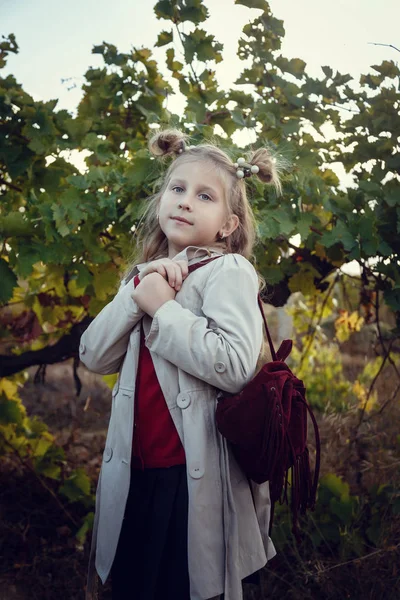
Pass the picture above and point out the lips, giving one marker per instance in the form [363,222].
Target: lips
[182,220]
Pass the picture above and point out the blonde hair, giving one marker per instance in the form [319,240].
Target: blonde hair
[151,242]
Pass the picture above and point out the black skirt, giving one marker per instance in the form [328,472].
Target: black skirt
[151,562]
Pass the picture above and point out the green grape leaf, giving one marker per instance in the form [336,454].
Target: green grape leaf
[285,221]
[164,9]
[328,72]
[86,526]
[303,280]
[388,69]
[8,281]
[164,38]
[41,445]
[49,463]
[76,486]
[303,224]
[392,298]
[335,485]
[342,508]
[105,281]
[14,224]
[269,228]
[201,45]
[339,233]
[10,411]
[273,275]
[262,4]
[194,11]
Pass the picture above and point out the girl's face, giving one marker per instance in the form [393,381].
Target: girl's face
[195,192]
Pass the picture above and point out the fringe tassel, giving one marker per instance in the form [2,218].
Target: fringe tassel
[273,439]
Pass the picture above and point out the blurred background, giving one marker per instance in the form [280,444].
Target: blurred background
[81,88]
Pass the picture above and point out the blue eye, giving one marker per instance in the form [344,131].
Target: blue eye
[178,187]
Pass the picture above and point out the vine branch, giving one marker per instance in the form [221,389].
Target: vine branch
[66,347]
[191,63]
[387,45]
[353,560]
[310,341]
[10,185]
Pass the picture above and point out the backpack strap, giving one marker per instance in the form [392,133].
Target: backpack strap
[271,345]
[202,262]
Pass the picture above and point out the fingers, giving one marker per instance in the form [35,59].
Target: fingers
[161,270]
[174,272]
[181,272]
[184,268]
[178,277]
[174,275]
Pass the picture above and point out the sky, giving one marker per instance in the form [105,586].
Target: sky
[56,38]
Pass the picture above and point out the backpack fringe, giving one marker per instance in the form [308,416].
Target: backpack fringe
[303,489]
[272,445]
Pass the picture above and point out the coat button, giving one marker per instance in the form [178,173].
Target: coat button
[183,400]
[82,348]
[196,472]
[107,454]
[220,367]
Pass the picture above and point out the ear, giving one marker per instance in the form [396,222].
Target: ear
[230,225]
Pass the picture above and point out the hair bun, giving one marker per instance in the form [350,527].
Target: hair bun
[268,168]
[169,141]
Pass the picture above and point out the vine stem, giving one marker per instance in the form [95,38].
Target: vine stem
[387,45]
[285,581]
[385,404]
[311,340]
[378,325]
[191,62]
[354,438]
[371,387]
[10,185]
[336,105]
[386,357]
[353,560]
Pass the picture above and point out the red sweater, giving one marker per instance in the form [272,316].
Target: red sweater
[156,442]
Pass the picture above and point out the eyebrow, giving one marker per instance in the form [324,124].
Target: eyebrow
[200,187]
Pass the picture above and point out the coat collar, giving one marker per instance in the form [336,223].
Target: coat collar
[192,254]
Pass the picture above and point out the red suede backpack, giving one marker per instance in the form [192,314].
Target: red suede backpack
[266,425]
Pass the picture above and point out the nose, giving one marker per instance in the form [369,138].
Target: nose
[185,202]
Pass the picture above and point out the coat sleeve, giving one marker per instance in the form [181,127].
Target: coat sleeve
[104,343]
[221,347]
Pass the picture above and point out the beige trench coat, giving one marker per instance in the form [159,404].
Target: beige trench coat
[207,339]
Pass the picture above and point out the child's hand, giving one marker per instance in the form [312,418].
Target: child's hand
[153,292]
[175,272]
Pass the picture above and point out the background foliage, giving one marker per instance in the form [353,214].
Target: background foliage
[66,235]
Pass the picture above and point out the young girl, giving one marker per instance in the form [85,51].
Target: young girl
[175,516]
